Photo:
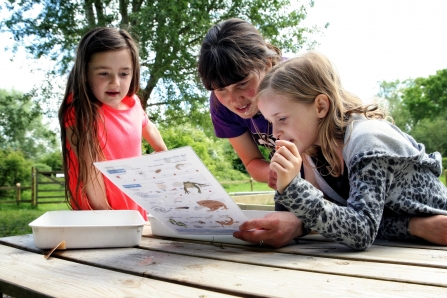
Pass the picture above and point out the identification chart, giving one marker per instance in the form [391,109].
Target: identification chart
[178,190]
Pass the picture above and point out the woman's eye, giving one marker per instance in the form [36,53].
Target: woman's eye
[242,84]
[282,119]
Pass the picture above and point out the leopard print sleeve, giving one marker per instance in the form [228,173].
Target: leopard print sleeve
[355,225]
[395,228]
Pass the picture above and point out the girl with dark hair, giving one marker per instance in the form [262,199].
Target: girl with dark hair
[101,118]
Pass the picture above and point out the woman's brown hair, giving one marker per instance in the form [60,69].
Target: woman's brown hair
[230,51]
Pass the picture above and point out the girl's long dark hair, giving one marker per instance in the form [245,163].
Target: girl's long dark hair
[80,102]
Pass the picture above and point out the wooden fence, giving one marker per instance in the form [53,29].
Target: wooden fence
[18,194]
[47,187]
[239,182]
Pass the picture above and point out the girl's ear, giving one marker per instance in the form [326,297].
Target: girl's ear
[322,105]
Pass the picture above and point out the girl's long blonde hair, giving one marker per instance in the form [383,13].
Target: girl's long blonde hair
[80,102]
[302,79]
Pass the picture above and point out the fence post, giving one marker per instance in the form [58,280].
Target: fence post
[18,190]
[251,184]
[33,186]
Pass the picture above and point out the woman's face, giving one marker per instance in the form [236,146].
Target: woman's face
[238,97]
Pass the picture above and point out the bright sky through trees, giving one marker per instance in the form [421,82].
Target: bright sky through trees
[368,40]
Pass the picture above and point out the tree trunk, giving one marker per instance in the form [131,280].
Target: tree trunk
[89,14]
[147,91]
[100,13]
[123,11]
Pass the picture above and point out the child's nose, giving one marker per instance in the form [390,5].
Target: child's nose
[114,81]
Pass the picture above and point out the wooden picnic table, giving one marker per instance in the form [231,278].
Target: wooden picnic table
[168,267]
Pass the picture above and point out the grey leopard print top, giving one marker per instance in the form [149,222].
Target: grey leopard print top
[386,168]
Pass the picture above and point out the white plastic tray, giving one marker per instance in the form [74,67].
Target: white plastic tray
[88,229]
[159,229]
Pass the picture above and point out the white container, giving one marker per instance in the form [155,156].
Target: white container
[159,229]
[88,229]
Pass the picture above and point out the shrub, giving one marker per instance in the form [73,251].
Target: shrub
[213,152]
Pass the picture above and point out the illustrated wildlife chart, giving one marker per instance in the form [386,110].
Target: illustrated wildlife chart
[178,190]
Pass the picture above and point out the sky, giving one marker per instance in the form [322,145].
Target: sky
[368,41]
[382,40]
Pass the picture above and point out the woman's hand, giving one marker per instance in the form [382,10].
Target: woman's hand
[286,163]
[275,229]
[272,179]
[431,228]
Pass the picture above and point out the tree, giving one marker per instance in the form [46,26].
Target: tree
[432,133]
[418,108]
[392,92]
[169,33]
[14,168]
[216,154]
[21,127]
[427,97]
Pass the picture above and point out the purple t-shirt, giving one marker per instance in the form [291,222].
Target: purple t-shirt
[229,125]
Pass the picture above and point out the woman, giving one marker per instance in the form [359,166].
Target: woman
[233,59]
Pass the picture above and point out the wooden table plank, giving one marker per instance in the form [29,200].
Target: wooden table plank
[376,253]
[24,273]
[238,278]
[419,274]
[245,279]
[409,244]
[273,258]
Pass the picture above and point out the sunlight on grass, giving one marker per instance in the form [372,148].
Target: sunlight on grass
[14,219]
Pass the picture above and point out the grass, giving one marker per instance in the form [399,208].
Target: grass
[442,178]
[14,219]
[246,187]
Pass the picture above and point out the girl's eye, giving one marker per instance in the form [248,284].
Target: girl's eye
[103,73]
[282,119]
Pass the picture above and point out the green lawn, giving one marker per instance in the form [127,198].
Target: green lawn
[14,219]
[246,187]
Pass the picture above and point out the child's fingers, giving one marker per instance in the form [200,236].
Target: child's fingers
[286,158]
[287,144]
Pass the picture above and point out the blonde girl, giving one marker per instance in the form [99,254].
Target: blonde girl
[394,190]
[101,118]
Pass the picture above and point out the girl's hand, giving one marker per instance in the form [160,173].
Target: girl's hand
[286,162]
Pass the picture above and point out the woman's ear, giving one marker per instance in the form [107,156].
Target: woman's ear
[322,105]
[268,65]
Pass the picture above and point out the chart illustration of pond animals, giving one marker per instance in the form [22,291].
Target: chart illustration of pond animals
[177,189]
